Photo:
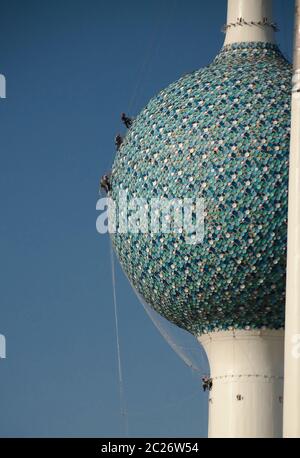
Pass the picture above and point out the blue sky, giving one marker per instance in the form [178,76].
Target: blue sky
[71,68]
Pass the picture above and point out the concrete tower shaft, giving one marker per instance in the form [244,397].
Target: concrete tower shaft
[246,368]
[250,20]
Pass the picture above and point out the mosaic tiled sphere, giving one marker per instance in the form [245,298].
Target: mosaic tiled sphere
[220,133]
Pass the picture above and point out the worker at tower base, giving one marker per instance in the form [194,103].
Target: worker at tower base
[207,383]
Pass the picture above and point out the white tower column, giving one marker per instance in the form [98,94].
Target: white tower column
[292,326]
[246,399]
[249,20]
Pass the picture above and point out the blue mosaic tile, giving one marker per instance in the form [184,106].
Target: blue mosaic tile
[220,133]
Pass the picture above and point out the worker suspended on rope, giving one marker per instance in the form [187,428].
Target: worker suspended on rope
[105,183]
[207,383]
[118,141]
[126,120]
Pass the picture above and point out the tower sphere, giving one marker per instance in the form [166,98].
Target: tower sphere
[220,134]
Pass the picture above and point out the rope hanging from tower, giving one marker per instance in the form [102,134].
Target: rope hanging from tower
[123,404]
